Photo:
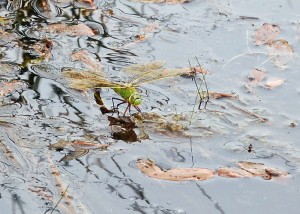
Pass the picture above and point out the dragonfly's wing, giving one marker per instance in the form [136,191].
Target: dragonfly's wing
[153,75]
[139,71]
[146,67]
[83,80]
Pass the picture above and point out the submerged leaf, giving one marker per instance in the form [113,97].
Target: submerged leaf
[177,174]
[281,53]
[266,33]
[72,30]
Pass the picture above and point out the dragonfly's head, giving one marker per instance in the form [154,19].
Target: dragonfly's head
[135,99]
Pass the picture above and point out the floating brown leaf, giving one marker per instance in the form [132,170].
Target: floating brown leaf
[8,87]
[259,169]
[177,174]
[72,30]
[281,53]
[266,33]
[273,83]
[9,69]
[254,78]
[163,1]
[233,173]
[217,95]
[88,60]
[250,169]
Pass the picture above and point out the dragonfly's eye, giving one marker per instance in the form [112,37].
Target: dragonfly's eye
[135,99]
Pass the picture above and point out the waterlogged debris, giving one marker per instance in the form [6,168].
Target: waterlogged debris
[122,128]
[251,169]
[281,53]
[169,125]
[163,1]
[76,149]
[273,83]
[149,168]
[71,30]
[266,34]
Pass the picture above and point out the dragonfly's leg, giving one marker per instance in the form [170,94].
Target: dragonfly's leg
[99,101]
[137,108]
[127,108]
[113,99]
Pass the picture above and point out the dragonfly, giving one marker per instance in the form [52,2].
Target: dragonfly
[137,74]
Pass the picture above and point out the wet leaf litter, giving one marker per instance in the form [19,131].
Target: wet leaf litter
[81,142]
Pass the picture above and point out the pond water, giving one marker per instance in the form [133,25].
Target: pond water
[56,140]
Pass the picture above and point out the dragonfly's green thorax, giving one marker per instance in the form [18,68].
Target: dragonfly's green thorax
[130,95]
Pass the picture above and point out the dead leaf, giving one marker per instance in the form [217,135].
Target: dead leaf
[177,174]
[254,78]
[9,87]
[228,172]
[43,49]
[87,59]
[9,69]
[163,1]
[71,30]
[266,34]
[259,169]
[273,83]
[87,3]
[217,95]
[281,53]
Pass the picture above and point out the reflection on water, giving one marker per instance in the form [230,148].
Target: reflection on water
[54,139]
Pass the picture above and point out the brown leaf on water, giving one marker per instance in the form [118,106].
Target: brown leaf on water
[254,78]
[71,30]
[281,53]
[9,87]
[163,1]
[259,169]
[9,69]
[87,3]
[177,174]
[217,95]
[43,49]
[233,173]
[266,34]
[88,60]
[273,83]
